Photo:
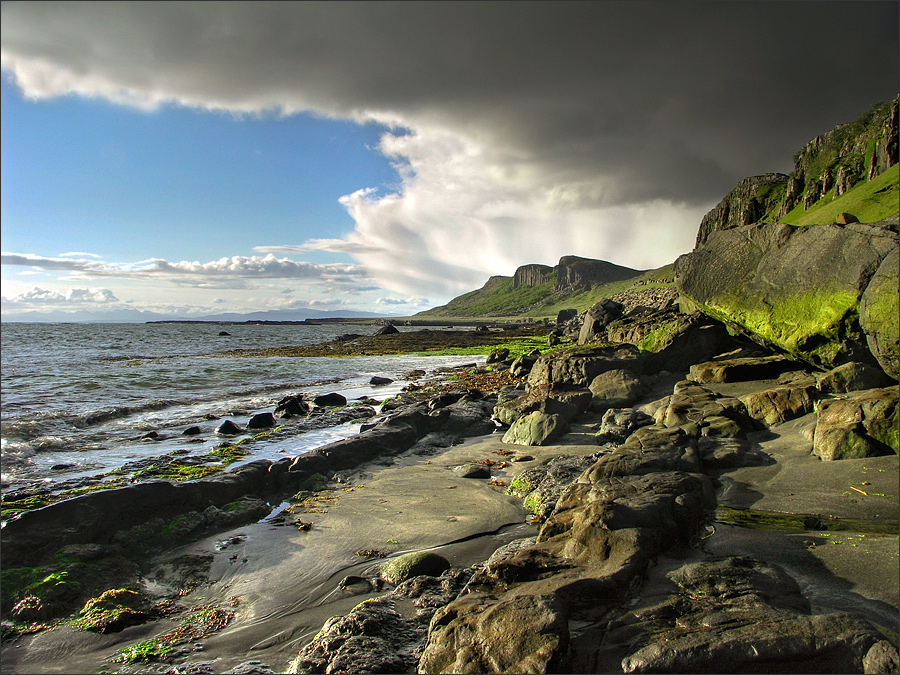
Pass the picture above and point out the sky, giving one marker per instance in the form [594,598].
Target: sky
[190,159]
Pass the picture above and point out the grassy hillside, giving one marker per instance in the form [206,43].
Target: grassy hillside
[498,299]
[868,201]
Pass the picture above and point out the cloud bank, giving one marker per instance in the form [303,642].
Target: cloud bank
[522,131]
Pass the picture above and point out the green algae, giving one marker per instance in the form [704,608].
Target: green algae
[773,521]
[144,652]
[811,325]
[659,337]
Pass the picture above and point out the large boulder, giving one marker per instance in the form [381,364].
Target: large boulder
[797,288]
[878,314]
[553,399]
[862,424]
[580,365]
[403,567]
[742,616]
[616,389]
[852,376]
[597,318]
[536,428]
[780,404]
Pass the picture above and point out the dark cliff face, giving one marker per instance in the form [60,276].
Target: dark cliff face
[573,272]
[532,275]
[747,203]
[828,165]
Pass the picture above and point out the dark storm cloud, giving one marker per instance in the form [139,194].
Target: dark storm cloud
[609,128]
[673,100]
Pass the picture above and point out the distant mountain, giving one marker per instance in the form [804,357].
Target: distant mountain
[541,290]
[289,315]
[139,316]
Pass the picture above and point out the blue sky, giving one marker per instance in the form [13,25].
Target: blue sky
[85,174]
[195,158]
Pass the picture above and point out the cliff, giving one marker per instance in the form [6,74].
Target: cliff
[826,168]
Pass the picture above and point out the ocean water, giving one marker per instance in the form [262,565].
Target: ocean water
[76,398]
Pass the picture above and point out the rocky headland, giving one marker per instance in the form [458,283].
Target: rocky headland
[696,477]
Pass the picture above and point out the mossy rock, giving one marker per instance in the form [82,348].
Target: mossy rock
[113,610]
[880,317]
[409,565]
[798,289]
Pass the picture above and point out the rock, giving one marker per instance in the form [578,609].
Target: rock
[742,369]
[573,272]
[516,635]
[252,667]
[192,431]
[290,406]
[228,428]
[387,330]
[878,315]
[862,424]
[565,315]
[378,381]
[263,420]
[745,204]
[844,218]
[443,400]
[718,453]
[797,288]
[113,611]
[882,657]
[619,423]
[399,569]
[497,356]
[223,333]
[616,389]
[151,436]
[554,399]
[372,638]
[469,417]
[692,408]
[413,374]
[741,614]
[649,449]
[778,405]
[536,428]
[330,400]
[852,376]
[472,471]
[597,318]
[677,345]
[580,365]
[522,365]
[540,487]
[532,275]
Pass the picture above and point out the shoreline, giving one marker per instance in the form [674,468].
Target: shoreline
[281,583]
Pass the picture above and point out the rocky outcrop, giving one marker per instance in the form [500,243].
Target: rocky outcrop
[878,314]
[597,318]
[798,289]
[549,398]
[827,166]
[857,425]
[532,275]
[731,616]
[746,204]
[573,273]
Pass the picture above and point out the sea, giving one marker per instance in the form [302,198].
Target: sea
[77,398]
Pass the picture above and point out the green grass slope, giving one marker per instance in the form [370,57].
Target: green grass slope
[869,201]
[497,299]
